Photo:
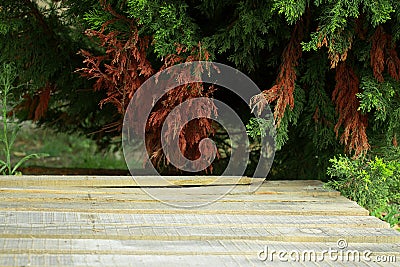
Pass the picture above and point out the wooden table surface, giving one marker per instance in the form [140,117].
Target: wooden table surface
[210,221]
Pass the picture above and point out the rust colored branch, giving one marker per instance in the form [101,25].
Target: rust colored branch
[354,136]
[383,54]
[282,91]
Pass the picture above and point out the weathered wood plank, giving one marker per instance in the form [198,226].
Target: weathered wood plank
[55,180]
[92,181]
[200,220]
[39,196]
[273,208]
[155,232]
[157,260]
[54,221]
[292,183]
[244,251]
[162,252]
[302,187]
[282,187]
[210,190]
[155,247]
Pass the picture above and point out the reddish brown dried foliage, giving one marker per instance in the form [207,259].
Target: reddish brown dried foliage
[393,63]
[124,68]
[282,91]
[194,131]
[38,104]
[334,55]
[383,52]
[354,136]
[44,98]
[394,141]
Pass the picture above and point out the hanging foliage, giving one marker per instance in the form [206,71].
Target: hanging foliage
[192,132]
[354,135]
[44,98]
[123,69]
[282,91]
[299,45]
[36,105]
[383,52]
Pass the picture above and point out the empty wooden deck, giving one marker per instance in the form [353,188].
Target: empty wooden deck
[109,221]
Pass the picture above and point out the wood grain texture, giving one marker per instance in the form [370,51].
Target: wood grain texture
[107,221]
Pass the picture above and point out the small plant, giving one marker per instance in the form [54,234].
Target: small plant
[373,184]
[259,127]
[10,128]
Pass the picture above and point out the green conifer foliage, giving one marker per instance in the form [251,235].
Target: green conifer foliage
[330,69]
[42,38]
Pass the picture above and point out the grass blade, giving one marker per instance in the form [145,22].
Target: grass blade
[21,161]
[3,168]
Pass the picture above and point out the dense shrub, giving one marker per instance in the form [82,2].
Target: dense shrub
[373,183]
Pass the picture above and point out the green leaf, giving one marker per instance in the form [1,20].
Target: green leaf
[3,165]
[292,9]
[3,168]
[21,161]
[2,162]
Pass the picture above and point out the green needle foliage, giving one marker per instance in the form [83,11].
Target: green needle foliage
[42,39]
[330,69]
[374,184]
[10,128]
